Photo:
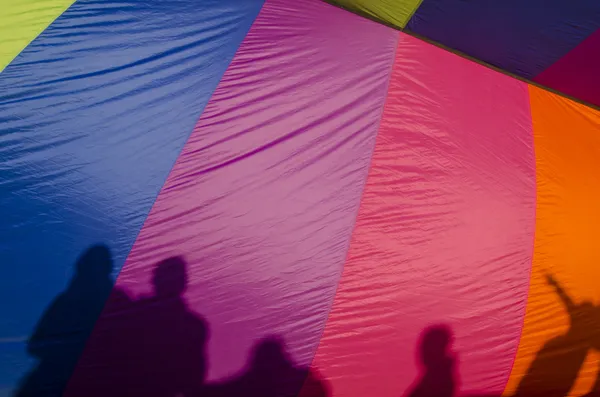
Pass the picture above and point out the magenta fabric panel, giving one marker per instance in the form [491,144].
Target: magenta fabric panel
[260,205]
[577,73]
[441,252]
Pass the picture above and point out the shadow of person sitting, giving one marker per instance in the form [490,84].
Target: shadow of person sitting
[60,335]
[152,347]
[272,373]
[438,362]
[170,347]
[556,366]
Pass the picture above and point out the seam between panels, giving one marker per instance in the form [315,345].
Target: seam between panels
[412,14]
[162,186]
[38,35]
[366,178]
[535,199]
[461,54]
[564,55]
[201,113]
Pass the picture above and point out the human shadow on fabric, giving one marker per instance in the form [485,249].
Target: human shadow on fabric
[552,373]
[151,346]
[556,366]
[60,335]
[272,373]
[438,376]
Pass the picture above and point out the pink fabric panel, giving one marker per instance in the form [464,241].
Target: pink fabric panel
[577,73]
[444,235]
[263,198]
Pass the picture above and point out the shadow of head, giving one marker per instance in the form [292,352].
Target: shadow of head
[269,355]
[170,277]
[435,347]
[95,263]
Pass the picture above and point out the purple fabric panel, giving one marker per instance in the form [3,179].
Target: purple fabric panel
[578,72]
[260,204]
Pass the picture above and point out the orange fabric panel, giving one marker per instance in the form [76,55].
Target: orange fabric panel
[556,352]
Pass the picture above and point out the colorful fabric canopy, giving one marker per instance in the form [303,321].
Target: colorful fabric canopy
[553,42]
[291,172]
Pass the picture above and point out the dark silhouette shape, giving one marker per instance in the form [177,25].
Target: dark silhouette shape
[271,373]
[555,368]
[438,378]
[171,344]
[154,346]
[60,336]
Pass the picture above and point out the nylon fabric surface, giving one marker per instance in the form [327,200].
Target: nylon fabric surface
[524,38]
[260,205]
[555,356]
[576,74]
[298,201]
[93,115]
[393,12]
[22,20]
[540,32]
[443,237]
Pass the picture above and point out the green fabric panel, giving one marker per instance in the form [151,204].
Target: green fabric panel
[21,21]
[391,12]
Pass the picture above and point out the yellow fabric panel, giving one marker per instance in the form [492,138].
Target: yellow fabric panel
[21,21]
[393,12]
[558,350]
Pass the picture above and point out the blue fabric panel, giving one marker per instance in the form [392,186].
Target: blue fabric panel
[93,115]
[522,37]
